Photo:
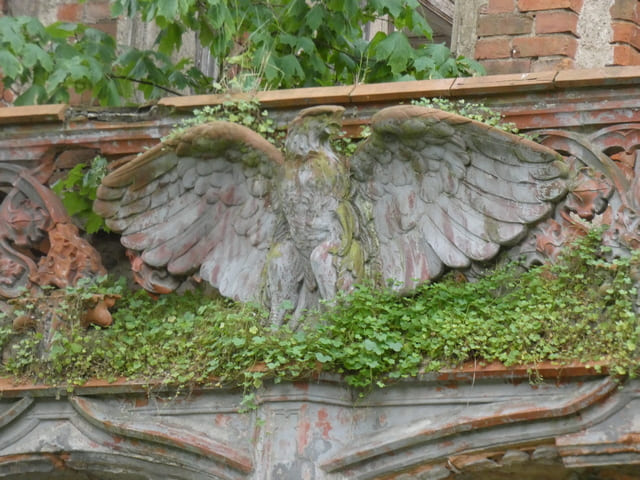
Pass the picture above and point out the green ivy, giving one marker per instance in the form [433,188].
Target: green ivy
[243,112]
[77,190]
[475,111]
[581,308]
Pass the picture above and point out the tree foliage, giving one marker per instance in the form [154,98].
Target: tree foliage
[44,64]
[299,43]
[266,44]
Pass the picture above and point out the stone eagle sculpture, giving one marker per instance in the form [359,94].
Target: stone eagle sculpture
[427,191]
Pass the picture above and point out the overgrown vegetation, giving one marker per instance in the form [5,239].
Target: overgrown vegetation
[243,112]
[46,64]
[274,44]
[77,190]
[475,111]
[249,113]
[580,308]
[253,45]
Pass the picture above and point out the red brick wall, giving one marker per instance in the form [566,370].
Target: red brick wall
[95,13]
[517,36]
[625,16]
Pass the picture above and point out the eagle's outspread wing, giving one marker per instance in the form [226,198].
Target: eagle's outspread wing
[197,203]
[446,191]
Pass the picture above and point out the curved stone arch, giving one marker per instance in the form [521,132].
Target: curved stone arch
[624,136]
[85,465]
[586,151]
[489,422]
[79,438]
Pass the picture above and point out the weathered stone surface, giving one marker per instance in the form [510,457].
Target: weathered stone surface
[427,191]
[421,429]
[604,192]
[39,245]
[318,430]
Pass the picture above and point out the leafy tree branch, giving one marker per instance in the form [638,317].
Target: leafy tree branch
[255,45]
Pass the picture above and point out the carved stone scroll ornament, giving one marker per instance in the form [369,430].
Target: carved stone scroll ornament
[426,192]
[38,243]
[603,190]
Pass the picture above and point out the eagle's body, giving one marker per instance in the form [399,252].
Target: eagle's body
[313,194]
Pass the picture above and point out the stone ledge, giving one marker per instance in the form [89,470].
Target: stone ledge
[371,94]
[610,76]
[468,372]
[33,114]
[408,431]
[400,91]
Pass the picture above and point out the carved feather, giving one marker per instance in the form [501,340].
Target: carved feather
[474,189]
[198,203]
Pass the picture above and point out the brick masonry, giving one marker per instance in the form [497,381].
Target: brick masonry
[518,36]
[625,17]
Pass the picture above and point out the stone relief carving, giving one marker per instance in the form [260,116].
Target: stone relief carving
[427,191]
[603,190]
[39,244]
[493,427]
[377,205]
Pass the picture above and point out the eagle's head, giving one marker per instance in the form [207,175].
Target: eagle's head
[312,129]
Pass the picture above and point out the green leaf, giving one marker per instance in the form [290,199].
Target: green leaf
[168,8]
[322,358]
[95,223]
[11,66]
[170,38]
[75,203]
[58,77]
[35,94]
[315,17]
[395,50]
[10,34]
[438,52]
[288,39]
[32,54]
[420,25]
[424,63]
[77,70]
[62,30]
[34,28]
[371,346]
[95,70]
[393,7]
[290,67]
